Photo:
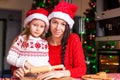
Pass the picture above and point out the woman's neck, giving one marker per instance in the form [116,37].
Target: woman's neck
[54,41]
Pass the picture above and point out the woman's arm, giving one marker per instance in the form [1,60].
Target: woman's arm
[79,66]
[53,74]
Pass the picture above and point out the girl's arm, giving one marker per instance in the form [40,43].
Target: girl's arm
[13,56]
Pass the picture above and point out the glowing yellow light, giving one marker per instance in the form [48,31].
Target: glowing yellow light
[93,35]
[85,42]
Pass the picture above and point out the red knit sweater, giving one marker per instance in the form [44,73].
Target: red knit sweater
[74,56]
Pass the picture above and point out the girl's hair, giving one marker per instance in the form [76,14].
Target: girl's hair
[64,40]
[26,32]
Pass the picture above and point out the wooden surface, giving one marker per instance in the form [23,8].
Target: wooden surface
[64,78]
[116,76]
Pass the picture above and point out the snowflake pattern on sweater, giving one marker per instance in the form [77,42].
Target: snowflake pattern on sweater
[34,50]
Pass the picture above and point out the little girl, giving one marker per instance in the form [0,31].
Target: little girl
[29,48]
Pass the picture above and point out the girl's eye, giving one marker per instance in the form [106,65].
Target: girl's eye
[42,26]
[34,24]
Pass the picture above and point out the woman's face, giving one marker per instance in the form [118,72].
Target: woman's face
[37,27]
[57,27]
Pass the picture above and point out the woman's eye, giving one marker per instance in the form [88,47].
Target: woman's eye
[54,22]
[63,24]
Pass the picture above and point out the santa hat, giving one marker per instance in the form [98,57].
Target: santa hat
[37,14]
[65,11]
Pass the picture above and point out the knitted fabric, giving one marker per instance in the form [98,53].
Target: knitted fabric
[74,56]
[34,50]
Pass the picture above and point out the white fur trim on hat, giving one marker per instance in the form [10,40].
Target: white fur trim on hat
[36,16]
[63,16]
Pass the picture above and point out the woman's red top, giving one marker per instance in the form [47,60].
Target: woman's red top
[74,56]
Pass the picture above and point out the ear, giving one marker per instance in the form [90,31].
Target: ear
[27,25]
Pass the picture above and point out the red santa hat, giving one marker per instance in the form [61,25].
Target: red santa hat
[65,11]
[37,14]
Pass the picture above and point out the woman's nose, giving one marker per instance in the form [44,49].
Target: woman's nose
[58,26]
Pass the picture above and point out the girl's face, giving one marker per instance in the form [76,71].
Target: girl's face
[37,27]
[57,27]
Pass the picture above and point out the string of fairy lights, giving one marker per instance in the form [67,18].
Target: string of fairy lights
[89,45]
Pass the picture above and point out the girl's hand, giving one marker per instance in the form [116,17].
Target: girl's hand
[53,74]
[28,65]
[19,73]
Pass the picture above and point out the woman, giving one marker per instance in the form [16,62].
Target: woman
[64,47]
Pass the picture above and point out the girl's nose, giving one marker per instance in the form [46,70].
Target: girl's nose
[38,28]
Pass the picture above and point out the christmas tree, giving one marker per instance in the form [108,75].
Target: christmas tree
[47,4]
[89,38]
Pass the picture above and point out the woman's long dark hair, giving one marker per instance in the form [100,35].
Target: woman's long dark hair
[63,41]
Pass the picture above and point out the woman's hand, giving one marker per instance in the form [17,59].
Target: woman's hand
[19,73]
[53,74]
